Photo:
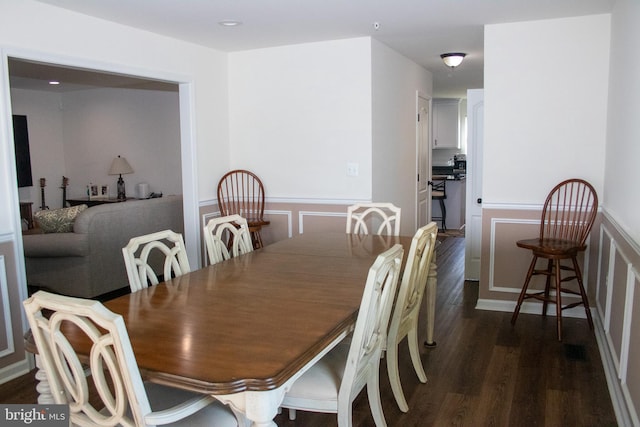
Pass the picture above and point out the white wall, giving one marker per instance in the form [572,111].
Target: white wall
[78,134]
[35,31]
[545,106]
[32,29]
[141,125]
[299,113]
[44,124]
[396,80]
[622,198]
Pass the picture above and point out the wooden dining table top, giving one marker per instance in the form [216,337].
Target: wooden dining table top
[250,323]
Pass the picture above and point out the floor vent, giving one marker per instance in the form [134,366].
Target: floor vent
[575,352]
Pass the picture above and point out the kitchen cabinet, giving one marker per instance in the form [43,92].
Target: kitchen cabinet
[446,123]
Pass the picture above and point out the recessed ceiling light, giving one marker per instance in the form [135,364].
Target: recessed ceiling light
[53,82]
[230,23]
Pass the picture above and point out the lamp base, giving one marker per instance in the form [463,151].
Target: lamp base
[122,194]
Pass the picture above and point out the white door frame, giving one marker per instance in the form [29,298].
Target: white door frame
[187,128]
[423,150]
[473,220]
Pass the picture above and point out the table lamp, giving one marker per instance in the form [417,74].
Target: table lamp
[118,167]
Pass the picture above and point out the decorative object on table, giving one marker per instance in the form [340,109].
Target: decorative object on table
[142,190]
[241,192]
[104,191]
[453,59]
[65,183]
[567,217]
[43,183]
[92,191]
[58,220]
[120,166]
[385,216]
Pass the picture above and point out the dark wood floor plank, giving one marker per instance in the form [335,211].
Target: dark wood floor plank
[457,410]
[494,403]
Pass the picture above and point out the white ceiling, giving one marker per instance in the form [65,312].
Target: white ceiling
[419,29]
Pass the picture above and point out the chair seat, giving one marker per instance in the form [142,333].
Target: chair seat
[215,414]
[319,386]
[256,222]
[438,195]
[552,248]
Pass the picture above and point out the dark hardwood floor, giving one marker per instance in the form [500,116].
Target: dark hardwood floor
[483,372]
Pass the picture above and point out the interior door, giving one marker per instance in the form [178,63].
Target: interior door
[423,153]
[475,140]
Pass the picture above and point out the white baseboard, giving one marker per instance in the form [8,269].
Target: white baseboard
[623,415]
[528,308]
[17,369]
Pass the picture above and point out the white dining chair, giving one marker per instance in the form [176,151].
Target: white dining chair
[163,250]
[226,237]
[331,384]
[382,218]
[404,320]
[114,374]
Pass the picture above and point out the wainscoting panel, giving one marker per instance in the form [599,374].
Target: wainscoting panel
[504,265]
[603,290]
[618,309]
[14,361]
[319,221]
[631,366]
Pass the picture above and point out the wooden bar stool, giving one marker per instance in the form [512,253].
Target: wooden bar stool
[439,193]
[567,218]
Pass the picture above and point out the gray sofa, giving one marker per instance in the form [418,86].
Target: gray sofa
[88,262]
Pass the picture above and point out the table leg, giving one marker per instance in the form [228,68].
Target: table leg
[44,390]
[259,407]
[432,282]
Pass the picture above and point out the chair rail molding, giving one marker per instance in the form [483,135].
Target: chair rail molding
[296,201]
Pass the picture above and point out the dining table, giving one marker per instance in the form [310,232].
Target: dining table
[245,329]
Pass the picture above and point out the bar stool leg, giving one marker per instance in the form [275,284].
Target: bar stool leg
[558,298]
[444,215]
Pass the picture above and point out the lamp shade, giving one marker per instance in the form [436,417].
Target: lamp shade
[453,59]
[120,166]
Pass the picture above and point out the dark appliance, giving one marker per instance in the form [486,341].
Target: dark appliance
[21,145]
[459,166]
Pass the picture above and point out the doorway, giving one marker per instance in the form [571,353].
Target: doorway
[85,74]
[423,155]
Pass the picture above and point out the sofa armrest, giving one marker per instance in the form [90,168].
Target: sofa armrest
[56,245]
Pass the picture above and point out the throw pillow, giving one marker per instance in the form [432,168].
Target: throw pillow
[58,220]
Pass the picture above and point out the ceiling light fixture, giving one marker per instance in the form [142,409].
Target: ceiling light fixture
[452,60]
[230,23]
[54,82]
